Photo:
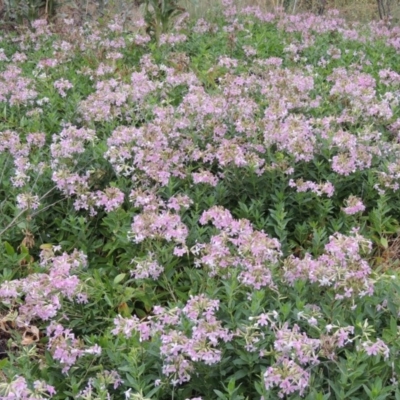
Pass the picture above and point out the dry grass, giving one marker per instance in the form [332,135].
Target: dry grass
[363,10]
[359,10]
[354,10]
[389,259]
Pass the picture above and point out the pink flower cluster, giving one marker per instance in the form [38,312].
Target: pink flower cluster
[27,201]
[353,205]
[97,386]
[237,245]
[292,348]
[40,295]
[68,143]
[114,98]
[65,347]
[159,219]
[341,266]
[20,151]
[288,376]
[181,344]
[359,89]
[338,339]
[319,189]
[65,148]
[353,153]
[111,198]
[146,268]
[204,177]
[15,89]
[376,348]
[202,26]
[172,38]
[19,389]
[296,345]
[62,85]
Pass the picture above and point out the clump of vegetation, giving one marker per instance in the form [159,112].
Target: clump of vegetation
[207,212]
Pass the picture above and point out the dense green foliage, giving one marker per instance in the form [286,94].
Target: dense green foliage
[200,209]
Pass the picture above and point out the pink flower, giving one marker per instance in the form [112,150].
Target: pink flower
[61,85]
[353,205]
[288,376]
[111,198]
[147,268]
[377,348]
[204,177]
[26,201]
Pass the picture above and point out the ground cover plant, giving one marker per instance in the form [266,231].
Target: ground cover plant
[205,211]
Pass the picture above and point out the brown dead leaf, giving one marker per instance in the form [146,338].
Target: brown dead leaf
[30,336]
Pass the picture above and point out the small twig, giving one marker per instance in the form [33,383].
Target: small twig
[45,208]
[379,9]
[12,222]
[170,289]
[5,164]
[294,6]
[48,192]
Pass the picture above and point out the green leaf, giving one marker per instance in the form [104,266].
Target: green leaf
[239,375]
[3,363]
[219,394]
[140,313]
[24,250]
[338,391]
[384,242]
[119,278]
[393,326]
[9,249]
[107,299]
